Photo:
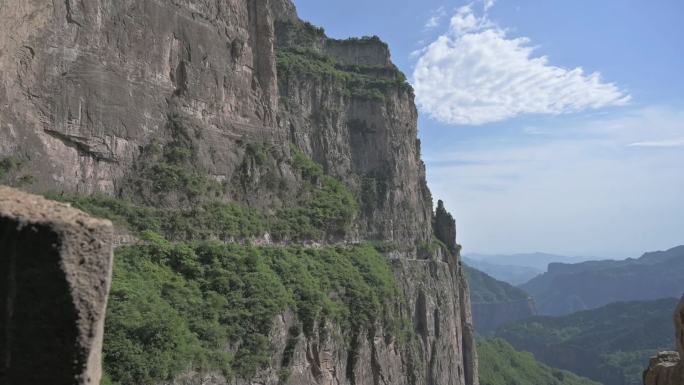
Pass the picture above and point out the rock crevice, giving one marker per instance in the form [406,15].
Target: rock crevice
[101,105]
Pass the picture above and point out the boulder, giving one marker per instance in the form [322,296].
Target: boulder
[667,368]
[55,273]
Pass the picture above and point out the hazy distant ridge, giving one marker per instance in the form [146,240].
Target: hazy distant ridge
[566,288]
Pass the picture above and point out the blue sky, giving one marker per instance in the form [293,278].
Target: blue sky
[547,125]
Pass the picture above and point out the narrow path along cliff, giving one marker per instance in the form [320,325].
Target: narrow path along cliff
[193,123]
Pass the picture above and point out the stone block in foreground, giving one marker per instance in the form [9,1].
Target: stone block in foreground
[55,272]
[667,368]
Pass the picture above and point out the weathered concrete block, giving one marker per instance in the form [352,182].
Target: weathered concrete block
[55,272]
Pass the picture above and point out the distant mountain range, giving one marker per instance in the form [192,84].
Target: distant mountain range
[516,269]
[566,288]
[611,344]
[514,275]
[495,303]
[538,261]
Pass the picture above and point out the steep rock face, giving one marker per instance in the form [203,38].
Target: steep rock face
[91,90]
[55,271]
[442,353]
[444,227]
[88,86]
[667,368]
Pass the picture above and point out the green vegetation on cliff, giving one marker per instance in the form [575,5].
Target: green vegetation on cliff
[182,300]
[210,306]
[500,364]
[611,344]
[11,172]
[362,82]
[324,208]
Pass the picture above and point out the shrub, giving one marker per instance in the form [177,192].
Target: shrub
[175,307]
[10,172]
[360,82]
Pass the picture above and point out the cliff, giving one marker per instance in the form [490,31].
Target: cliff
[666,368]
[235,121]
[566,288]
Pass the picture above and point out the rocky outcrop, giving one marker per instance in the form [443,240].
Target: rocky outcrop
[92,92]
[442,353]
[667,368]
[444,227]
[88,87]
[55,271]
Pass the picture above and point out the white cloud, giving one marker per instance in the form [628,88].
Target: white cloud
[677,142]
[475,74]
[436,18]
[432,22]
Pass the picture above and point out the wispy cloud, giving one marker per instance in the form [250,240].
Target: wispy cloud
[475,73]
[435,20]
[676,142]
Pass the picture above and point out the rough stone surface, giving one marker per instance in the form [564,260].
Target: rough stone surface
[86,86]
[55,271]
[667,368]
[443,353]
[444,227]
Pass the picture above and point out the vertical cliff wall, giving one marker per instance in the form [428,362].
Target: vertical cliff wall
[166,102]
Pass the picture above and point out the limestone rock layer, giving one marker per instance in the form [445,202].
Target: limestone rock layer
[90,89]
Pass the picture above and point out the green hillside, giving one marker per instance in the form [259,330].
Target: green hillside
[495,303]
[567,288]
[485,289]
[515,275]
[611,344]
[500,364]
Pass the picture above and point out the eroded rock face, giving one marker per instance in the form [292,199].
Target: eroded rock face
[667,368]
[55,272]
[441,354]
[88,86]
[444,227]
